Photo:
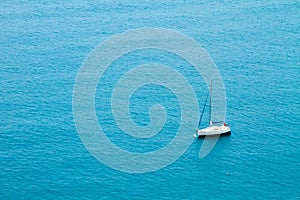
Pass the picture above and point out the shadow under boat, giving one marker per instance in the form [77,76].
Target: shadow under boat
[213,136]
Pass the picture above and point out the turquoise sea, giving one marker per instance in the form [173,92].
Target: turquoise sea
[255,45]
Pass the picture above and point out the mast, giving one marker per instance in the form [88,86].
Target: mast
[210,102]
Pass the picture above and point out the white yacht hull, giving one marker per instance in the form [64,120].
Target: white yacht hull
[214,130]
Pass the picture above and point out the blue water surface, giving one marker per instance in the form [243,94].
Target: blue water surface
[255,45]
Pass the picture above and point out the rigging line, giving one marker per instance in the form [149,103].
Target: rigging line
[203,110]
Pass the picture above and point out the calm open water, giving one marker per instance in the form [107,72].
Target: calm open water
[255,45]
